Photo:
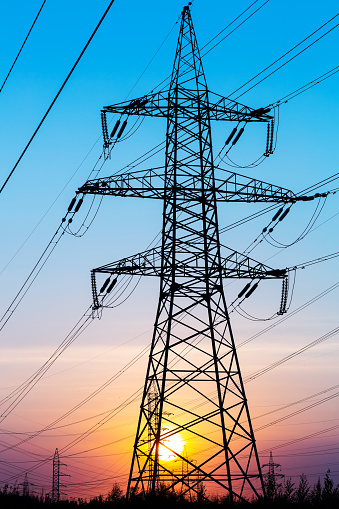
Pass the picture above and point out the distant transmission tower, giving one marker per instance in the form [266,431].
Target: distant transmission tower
[25,486]
[193,353]
[56,477]
[271,477]
[153,423]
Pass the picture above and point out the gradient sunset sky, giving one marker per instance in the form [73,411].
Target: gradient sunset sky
[114,348]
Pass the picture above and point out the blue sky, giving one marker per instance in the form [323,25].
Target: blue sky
[306,153]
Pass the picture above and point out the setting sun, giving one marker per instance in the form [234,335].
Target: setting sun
[175,443]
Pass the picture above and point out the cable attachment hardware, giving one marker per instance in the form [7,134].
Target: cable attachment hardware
[231,135]
[71,205]
[104,286]
[96,304]
[238,136]
[244,290]
[104,129]
[105,289]
[251,290]
[277,214]
[115,128]
[122,128]
[284,296]
[112,285]
[269,138]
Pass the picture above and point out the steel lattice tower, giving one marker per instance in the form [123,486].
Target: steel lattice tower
[153,423]
[271,477]
[56,477]
[25,487]
[193,353]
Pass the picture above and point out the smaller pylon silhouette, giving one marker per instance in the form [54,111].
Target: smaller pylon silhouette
[56,477]
[270,478]
[25,487]
[153,418]
[185,474]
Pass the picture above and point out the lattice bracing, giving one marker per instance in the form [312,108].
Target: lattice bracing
[151,184]
[222,108]
[56,477]
[193,393]
[234,265]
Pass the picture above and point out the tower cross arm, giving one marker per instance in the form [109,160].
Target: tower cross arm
[140,184]
[191,105]
[239,188]
[238,265]
[223,108]
[150,183]
[151,105]
[234,265]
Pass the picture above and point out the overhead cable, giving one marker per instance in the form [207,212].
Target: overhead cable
[31,277]
[274,365]
[49,208]
[36,270]
[86,156]
[297,402]
[306,87]
[134,396]
[301,439]
[22,46]
[292,313]
[84,435]
[315,261]
[225,28]
[58,94]
[238,26]
[284,55]
[63,228]
[16,396]
[83,402]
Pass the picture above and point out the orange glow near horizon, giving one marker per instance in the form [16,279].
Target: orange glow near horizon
[175,443]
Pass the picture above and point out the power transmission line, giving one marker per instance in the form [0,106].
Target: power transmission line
[135,395]
[22,46]
[274,365]
[88,153]
[27,386]
[284,55]
[57,95]
[238,26]
[302,438]
[79,405]
[306,87]
[221,31]
[292,313]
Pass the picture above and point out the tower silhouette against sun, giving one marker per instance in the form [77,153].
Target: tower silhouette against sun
[193,386]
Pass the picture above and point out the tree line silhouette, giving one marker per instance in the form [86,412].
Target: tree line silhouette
[323,494]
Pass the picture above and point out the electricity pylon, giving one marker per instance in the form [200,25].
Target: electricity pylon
[56,477]
[25,487]
[271,478]
[193,353]
[153,421]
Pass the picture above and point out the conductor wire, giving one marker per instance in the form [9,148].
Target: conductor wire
[284,55]
[57,95]
[22,46]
